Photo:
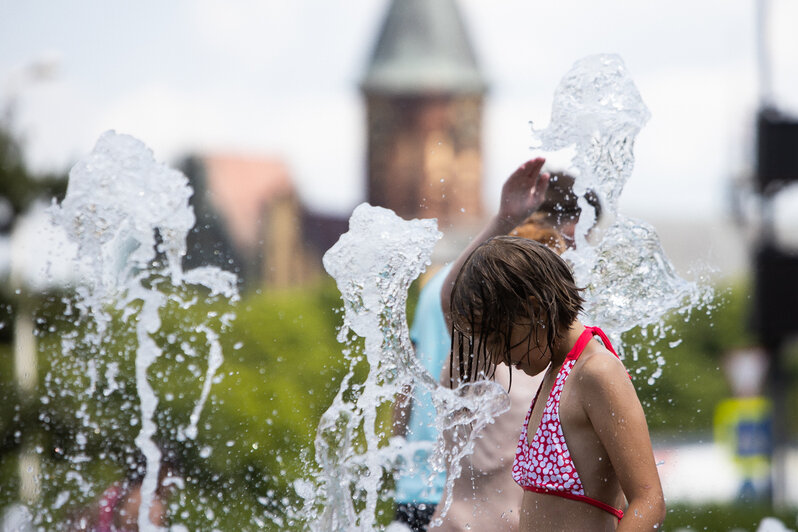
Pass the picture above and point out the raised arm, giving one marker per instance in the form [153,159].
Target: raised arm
[522,193]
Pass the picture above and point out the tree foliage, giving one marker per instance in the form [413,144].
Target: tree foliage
[681,402]
[19,187]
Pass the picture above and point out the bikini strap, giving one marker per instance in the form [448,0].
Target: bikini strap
[580,344]
[606,342]
[583,340]
[604,339]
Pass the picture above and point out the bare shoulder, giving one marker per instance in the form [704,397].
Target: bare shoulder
[600,372]
[597,362]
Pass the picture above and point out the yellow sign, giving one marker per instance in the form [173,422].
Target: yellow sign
[744,426]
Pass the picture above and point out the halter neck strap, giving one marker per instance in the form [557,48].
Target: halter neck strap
[584,338]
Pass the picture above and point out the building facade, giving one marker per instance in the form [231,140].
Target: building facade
[424,102]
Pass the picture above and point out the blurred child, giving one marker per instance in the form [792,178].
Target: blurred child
[117,509]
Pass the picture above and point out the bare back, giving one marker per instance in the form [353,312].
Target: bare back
[486,497]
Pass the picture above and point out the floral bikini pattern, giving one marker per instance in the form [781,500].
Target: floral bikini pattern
[546,462]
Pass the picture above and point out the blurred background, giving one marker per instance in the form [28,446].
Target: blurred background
[286,115]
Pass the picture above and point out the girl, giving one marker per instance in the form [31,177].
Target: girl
[584,457]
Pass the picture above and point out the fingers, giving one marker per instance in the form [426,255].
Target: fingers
[541,186]
[533,166]
[529,169]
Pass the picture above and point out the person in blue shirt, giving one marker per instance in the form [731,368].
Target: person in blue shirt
[418,486]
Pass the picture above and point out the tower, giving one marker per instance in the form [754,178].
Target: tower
[424,98]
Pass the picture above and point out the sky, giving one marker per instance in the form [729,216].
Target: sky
[280,77]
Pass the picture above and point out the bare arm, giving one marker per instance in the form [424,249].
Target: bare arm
[522,194]
[617,416]
[400,413]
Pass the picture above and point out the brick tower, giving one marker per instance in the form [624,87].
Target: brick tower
[424,97]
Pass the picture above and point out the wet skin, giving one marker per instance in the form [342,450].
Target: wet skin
[599,410]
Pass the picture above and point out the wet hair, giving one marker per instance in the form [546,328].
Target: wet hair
[508,282]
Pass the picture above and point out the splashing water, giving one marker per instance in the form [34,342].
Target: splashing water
[129,217]
[373,265]
[629,282]
[598,112]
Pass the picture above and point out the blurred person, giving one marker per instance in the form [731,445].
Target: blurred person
[584,454]
[117,509]
[560,209]
[418,486]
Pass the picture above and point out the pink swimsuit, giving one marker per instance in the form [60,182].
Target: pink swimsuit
[546,466]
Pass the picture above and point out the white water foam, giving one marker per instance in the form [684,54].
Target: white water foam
[598,112]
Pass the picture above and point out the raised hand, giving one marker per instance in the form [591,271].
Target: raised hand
[523,192]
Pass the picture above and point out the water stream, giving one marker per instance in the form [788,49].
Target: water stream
[129,216]
[597,113]
[373,265]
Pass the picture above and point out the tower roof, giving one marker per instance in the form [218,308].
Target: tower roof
[423,47]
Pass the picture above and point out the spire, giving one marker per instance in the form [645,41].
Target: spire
[423,47]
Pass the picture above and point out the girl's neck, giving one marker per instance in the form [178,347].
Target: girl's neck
[566,343]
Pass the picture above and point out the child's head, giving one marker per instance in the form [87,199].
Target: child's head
[511,293]
[561,209]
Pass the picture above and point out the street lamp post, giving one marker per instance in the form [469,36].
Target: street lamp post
[25,351]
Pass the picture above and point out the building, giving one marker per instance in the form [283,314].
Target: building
[424,97]
[250,220]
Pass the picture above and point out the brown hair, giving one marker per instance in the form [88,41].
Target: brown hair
[508,282]
[537,228]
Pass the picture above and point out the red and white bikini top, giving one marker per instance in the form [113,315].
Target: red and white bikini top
[545,465]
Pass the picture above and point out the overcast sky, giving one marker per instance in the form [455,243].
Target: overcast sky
[280,77]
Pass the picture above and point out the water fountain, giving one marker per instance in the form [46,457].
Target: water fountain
[128,217]
[597,112]
[373,265]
